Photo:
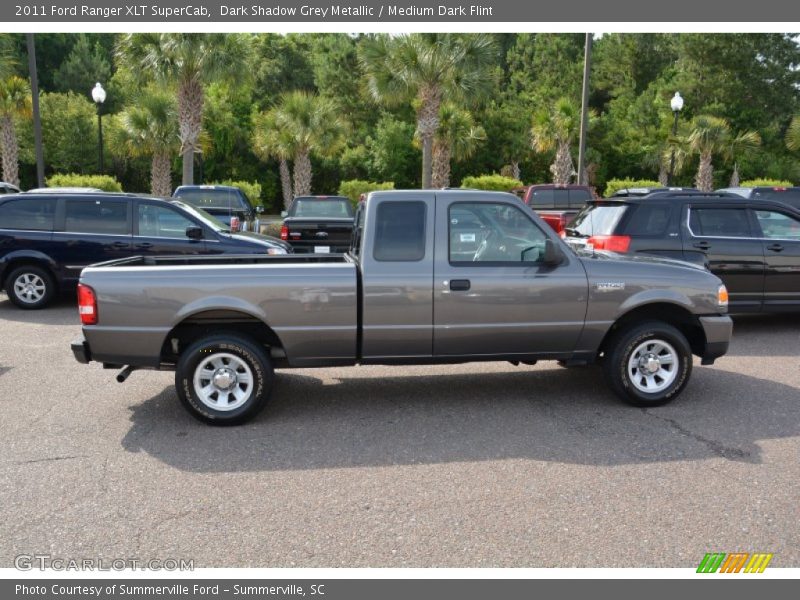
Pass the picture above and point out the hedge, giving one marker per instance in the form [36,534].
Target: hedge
[765,183]
[251,189]
[614,185]
[107,183]
[494,182]
[353,188]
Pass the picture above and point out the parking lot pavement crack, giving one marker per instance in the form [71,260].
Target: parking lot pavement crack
[49,459]
[715,447]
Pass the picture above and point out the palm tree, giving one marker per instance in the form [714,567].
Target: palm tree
[426,69]
[793,134]
[15,103]
[149,127]
[189,61]
[457,137]
[711,135]
[556,128]
[303,124]
[271,142]
[737,146]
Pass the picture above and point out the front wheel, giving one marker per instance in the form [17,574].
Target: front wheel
[224,379]
[648,364]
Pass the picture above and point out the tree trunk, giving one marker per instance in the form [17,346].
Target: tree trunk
[10,151]
[562,165]
[302,173]
[190,124]
[441,164]
[515,172]
[430,99]
[161,175]
[705,174]
[286,183]
[735,176]
[663,176]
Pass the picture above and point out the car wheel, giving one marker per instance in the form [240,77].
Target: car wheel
[30,286]
[648,364]
[224,379]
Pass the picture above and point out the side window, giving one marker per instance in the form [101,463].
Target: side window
[358,230]
[719,222]
[650,220]
[486,232]
[542,199]
[400,231]
[35,214]
[775,225]
[160,221]
[97,216]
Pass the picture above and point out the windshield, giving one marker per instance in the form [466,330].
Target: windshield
[596,219]
[331,208]
[214,199]
[206,218]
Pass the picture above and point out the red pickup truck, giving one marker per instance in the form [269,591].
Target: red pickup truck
[556,204]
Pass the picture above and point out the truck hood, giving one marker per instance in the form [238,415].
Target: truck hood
[603,255]
[257,239]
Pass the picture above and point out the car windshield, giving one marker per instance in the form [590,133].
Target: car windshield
[596,219]
[214,199]
[322,207]
[209,220]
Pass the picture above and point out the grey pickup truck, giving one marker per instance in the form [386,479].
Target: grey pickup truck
[445,276]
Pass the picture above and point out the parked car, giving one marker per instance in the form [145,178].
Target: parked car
[787,195]
[8,188]
[64,190]
[404,294]
[556,204]
[645,191]
[752,245]
[318,224]
[228,204]
[46,239]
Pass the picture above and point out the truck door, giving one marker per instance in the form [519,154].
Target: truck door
[492,294]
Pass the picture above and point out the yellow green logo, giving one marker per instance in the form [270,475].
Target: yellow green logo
[736,562]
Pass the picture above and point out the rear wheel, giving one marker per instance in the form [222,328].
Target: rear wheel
[224,379]
[30,286]
[648,364]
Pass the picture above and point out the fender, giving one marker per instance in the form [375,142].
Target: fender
[655,296]
[226,303]
[28,256]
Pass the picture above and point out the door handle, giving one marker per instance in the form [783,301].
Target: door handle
[775,248]
[120,244]
[144,245]
[702,245]
[459,285]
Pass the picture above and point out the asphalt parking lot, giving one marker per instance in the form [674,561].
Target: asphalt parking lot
[474,465]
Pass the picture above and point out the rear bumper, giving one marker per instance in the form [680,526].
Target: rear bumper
[81,351]
[308,247]
[718,331]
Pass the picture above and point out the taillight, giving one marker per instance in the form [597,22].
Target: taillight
[284,232]
[612,243]
[235,224]
[87,305]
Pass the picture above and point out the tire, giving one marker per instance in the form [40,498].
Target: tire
[30,287]
[633,354]
[224,379]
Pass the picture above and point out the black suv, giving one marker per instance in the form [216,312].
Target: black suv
[752,245]
[46,239]
[787,195]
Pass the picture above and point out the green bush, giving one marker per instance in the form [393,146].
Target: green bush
[765,183]
[251,189]
[107,183]
[493,182]
[355,187]
[614,185]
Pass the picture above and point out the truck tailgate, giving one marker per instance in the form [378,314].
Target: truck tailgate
[311,234]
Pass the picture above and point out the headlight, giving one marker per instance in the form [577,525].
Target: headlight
[722,296]
[276,251]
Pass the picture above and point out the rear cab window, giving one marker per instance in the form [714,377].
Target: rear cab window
[400,231]
[542,199]
[330,208]
[214,199]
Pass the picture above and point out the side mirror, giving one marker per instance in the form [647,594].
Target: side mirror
[284,214]
[552,253]
[259,209]
[194,233]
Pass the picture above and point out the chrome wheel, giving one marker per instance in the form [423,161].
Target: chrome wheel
[29,288]
[223,381]
[653,366]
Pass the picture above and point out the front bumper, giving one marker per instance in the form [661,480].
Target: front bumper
[80,349]
[718,331]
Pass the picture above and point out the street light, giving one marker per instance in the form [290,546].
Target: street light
[99,96]
[676,104]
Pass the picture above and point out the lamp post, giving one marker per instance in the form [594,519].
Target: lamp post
[676,104]
[99,96]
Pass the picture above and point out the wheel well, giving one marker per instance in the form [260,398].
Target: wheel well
[672,314]
[26,260]
[214,321]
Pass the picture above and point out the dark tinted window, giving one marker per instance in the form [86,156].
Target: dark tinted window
[213,199]
[322,208]
[542,199]
[97,216]
[790,196]
[560,198]
[649,220]
[597,219]
[34,213]
[719,222]
[400,231]
[578,198]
